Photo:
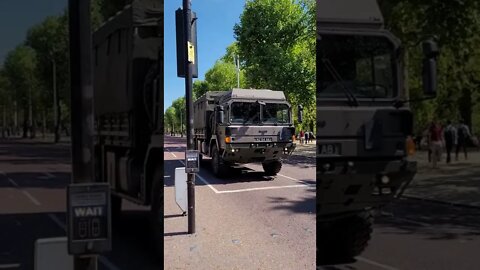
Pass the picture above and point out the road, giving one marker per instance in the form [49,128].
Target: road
[245,221]
[33,177]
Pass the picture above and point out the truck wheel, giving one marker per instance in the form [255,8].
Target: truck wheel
[219,166]
[345,238]
[156,211]
[271,168]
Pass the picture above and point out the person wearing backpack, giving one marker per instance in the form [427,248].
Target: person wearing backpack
[450,135]
[463,134]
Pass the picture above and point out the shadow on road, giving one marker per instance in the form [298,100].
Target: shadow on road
[431,221]
[307,204]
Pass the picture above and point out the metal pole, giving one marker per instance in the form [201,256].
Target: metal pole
[187,16]
[237,67]
[82,103]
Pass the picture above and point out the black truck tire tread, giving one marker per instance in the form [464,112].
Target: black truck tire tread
[272,168]
[345,238]
[222,166]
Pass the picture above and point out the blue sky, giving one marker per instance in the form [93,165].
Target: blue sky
[216,19]
[17,16]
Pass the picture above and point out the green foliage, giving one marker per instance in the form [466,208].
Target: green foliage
[276,43]
[455,25]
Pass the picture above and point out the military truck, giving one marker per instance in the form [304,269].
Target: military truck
[244,126]
[363,122]
[128,105]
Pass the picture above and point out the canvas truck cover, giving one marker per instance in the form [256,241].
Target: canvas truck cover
[124,48]
[349,14]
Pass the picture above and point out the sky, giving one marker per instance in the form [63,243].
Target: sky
[216,19]
[17,16]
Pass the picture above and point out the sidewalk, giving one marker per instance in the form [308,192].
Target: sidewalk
[457,183]
[307,150]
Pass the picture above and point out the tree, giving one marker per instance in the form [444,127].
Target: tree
[180,114]
[19,66]
[454,24]
[276,43]
[170,120]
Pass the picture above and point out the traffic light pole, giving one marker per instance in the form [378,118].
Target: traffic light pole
[82,103]
[187,26]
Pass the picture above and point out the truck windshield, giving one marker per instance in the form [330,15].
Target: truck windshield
[276,114]
[245,112]
[363,66]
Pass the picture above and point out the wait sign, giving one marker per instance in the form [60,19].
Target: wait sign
[89,218]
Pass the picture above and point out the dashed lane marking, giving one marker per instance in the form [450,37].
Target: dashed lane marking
[26,193]
[381,265]
[9,266]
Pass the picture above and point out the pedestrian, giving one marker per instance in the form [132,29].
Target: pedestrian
[426,135]
[450,135]
[463,134]
[311,136]
[302,136]
[436,140]
[307,135]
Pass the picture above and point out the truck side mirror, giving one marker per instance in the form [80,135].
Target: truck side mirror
[220,114]
[430,52]
[300,113]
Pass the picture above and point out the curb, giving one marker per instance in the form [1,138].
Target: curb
[441,202]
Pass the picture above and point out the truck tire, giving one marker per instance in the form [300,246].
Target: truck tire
[271,168]
[219,166]
[156,211]
[345,238]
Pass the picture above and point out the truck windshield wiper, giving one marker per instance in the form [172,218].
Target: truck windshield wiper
[352,100]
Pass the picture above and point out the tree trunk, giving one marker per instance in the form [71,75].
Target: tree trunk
[44,123]
[466,106]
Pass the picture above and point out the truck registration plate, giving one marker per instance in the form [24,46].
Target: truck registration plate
[329,149]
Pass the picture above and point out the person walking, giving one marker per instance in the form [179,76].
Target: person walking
[311,136]
[436,140]
[463,133]
[307,136]
[450,135]
[302,136]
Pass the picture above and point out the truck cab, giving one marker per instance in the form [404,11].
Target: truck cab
[363,121]
[244,126]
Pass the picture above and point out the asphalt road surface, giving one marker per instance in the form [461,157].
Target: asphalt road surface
[245,221]
[33,177]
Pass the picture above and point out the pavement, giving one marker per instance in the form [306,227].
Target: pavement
[457,183]
[245,221]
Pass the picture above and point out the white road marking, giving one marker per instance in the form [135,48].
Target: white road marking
[9,266]
[167,176]
[208,184]
[57,221]
[263,188]
[101,258]
[381,265]
[26,193]
[49,175]
[13,182]
[35,201]
[247,189]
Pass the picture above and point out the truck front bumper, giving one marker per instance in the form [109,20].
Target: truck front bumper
[257,152]
[349,186]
